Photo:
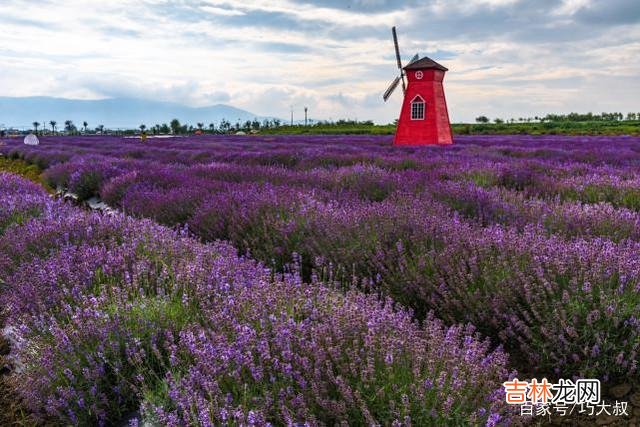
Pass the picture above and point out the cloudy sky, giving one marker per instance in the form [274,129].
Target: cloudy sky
[507,58]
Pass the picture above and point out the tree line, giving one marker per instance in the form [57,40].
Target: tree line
[571,117]
[173,127]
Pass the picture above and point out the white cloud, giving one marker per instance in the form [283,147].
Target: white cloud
[222,11]
[569,7]
[507,57]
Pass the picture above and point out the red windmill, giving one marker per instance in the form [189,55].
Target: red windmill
[424,119]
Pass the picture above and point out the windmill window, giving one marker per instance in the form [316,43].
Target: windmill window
[417,108]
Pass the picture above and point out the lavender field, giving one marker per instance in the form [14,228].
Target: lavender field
[328,280]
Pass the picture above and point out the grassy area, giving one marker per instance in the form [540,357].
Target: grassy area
[24,169]
[351,128]
[628,127]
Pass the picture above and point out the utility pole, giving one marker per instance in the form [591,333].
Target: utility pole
[305,116]
[292,115]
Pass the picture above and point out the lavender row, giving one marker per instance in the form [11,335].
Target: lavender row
[619,187]
[536,272]
[565,308]
[497,205]
[587,170]
[109,314]
[580,205]
[310,151]
[542,308]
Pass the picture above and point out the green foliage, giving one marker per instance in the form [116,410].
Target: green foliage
[87,186]
[618,197]
[550,128]
[341,127]
[20,167]
[525,126]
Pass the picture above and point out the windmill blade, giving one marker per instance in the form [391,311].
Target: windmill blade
[414,59]
[392,87]
[395,43]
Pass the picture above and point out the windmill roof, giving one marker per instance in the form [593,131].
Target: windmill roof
[425,63]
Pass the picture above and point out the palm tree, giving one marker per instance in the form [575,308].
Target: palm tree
[68,125]
[101,127]
[212,127]
[53,124]
[142,128]
[200,125]
[175,126]
[35,126]
[85,124]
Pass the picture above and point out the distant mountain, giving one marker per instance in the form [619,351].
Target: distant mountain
[112,113]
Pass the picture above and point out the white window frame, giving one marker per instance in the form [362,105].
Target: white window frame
[414,103]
